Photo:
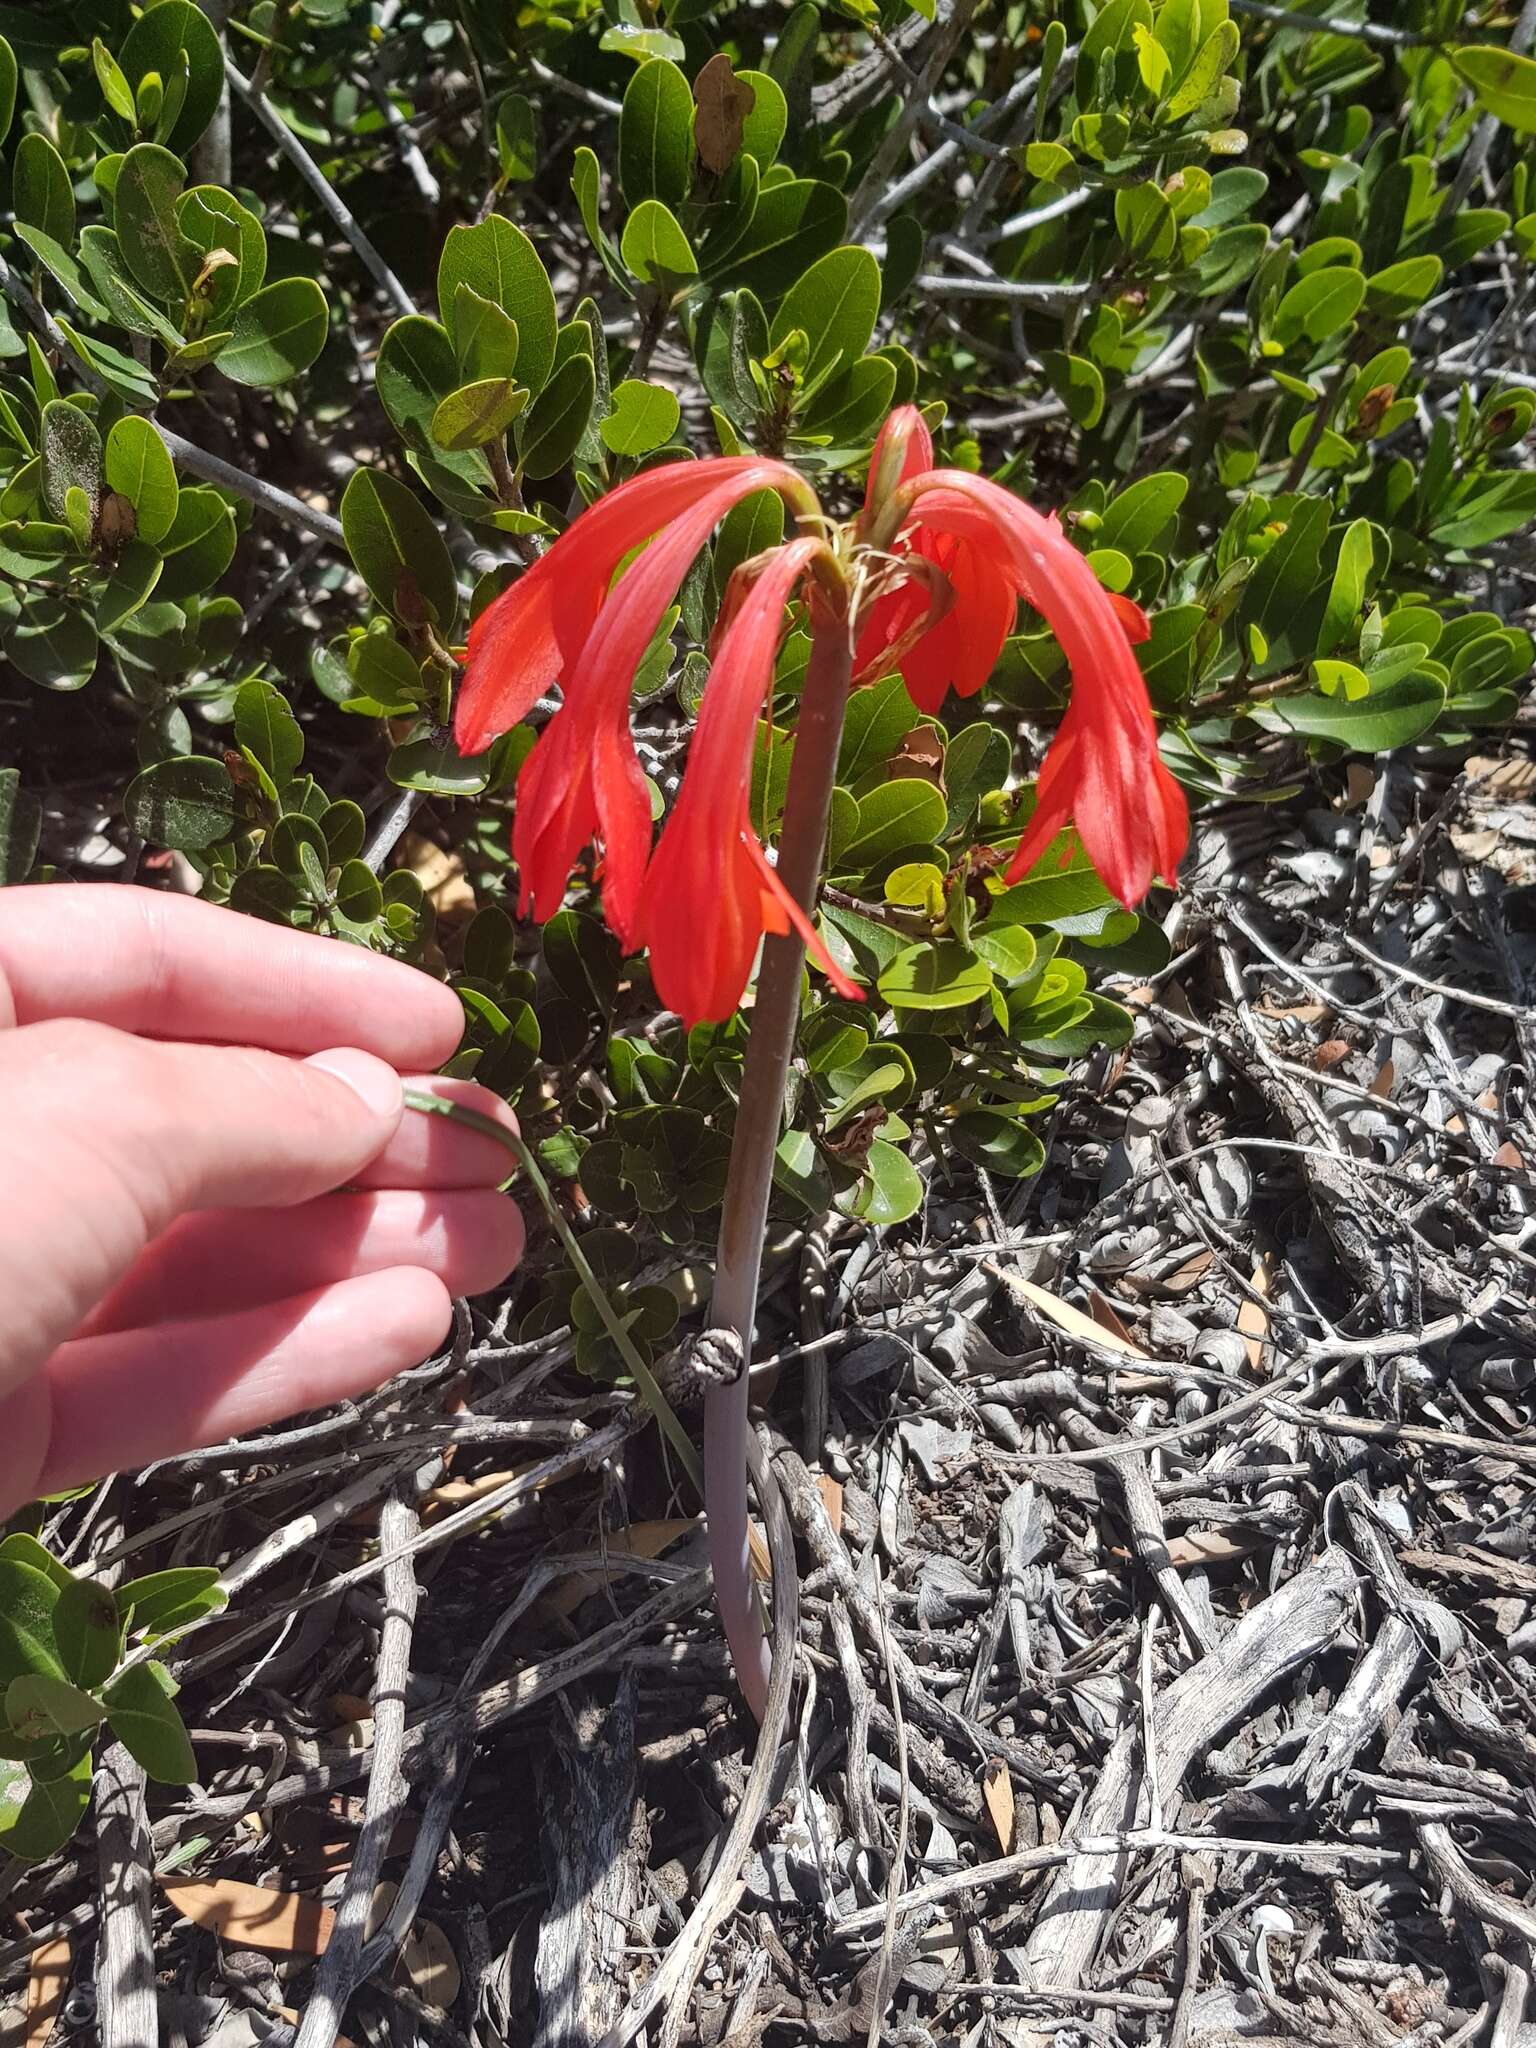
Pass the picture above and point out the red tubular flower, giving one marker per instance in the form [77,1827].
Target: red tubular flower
[958,646]
[710,893]
[531,635]
[583,779]
[1102,772]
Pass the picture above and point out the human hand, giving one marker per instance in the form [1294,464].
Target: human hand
[182,1090]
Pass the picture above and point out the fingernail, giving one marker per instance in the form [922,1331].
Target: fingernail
[376,1084]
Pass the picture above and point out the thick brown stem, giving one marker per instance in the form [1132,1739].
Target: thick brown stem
[759,1114]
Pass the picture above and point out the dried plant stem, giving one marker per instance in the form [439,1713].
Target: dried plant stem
[759,1115]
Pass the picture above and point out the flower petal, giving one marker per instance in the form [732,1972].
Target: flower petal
[701,910]
[528,637]
[1102,770]
[583,780]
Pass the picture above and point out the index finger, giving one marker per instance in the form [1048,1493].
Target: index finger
[167,966]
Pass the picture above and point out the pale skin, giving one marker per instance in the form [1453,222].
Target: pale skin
[215,1210]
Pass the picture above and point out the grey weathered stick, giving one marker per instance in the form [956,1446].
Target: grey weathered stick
[596,1872]
[255,490]
[125,1965]
[337,1975]
[1275,1637]
[324,191]
[1329,24]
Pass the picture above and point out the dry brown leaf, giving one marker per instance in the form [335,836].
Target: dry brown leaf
[251,1916]
[1385,1081]
[919,758]
[1329,1054]
[1207,1546]
[1184,1279]
[723,102]
[1252,1316]
[1064,1315]
[1509,775]
[441,876]
[1508,1155]
[997,1790]
[47,1982]
[640,1539]
[832,1499]
[1298,1013]
[1359,781]
[427,1958]
[456,1493]
[1478,844]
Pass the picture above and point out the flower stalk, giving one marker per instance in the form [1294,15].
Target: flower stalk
[759,1115]
[926,580]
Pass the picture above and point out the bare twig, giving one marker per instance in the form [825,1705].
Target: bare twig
[322,188]
[337,1975]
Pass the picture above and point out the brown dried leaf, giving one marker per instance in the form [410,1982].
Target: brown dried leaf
[1184,1279]
[455,1493]
[1299,1013]
[427,1958]
[1359,781]
[832,1498]
[1064,1315]
[441,876]
[1329,1053]
[1207,1546]
[251,1916]
[640,1539]
[851,1141]
[1252,1316]
[723,102]
[1386,1078]
[919,758]
[997,1790]
[1508,1155]
[47,1982]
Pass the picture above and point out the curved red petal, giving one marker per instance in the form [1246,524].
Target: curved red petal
[961,650]
[583,779]
[530,635]
[701,907]
[1102,770]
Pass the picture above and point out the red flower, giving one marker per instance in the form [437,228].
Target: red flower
[710,893]
[1102,772]
[941,631]
[559,619]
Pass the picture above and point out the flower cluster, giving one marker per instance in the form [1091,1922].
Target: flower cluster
[937,564]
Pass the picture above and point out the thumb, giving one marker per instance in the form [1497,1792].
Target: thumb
[110,1138]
